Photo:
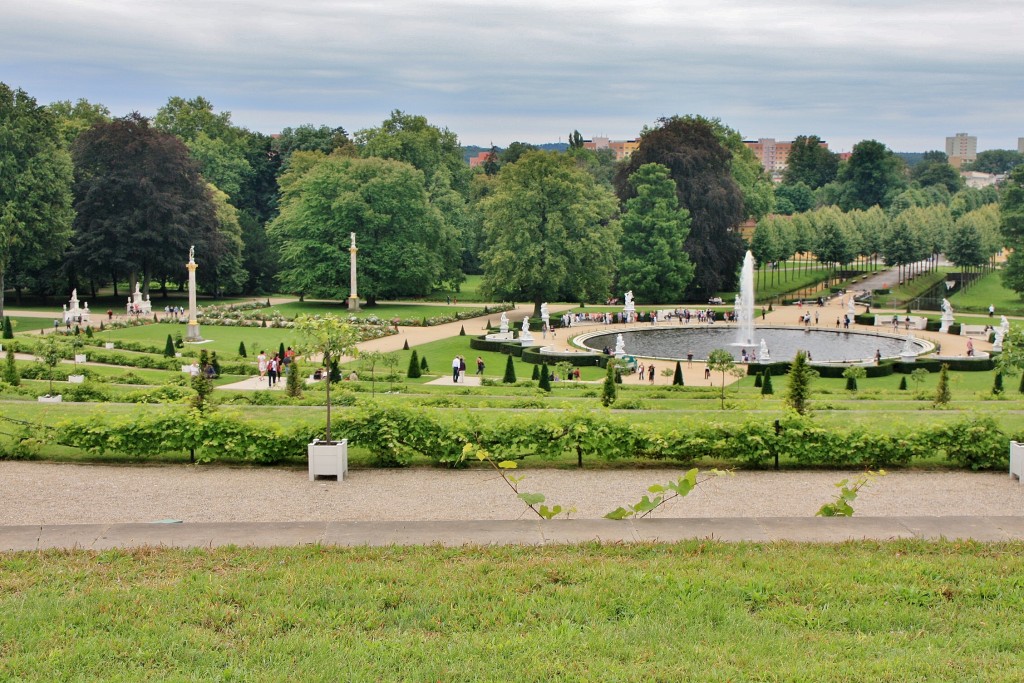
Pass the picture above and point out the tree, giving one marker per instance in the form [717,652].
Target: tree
[852,374]
[995,161]
[872,176]
[510,371]
[550,233]
[677,376]
[609,392]
[654,264]
[241,350]
[722,361]
[310,138]
[414,370]
[810,162]
[766,384]
[798,391]
[701,169]
[293,385]
[72,119]
[8,332]
[331,338]
[141,204]
[383,202]
[35,185]
[11,375]
[935,169]
[793,198]
[169,347]
[942,394]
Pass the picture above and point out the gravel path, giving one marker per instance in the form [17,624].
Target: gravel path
[46,493]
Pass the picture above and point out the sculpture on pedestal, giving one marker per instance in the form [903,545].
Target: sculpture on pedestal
[353,298]
[192,328]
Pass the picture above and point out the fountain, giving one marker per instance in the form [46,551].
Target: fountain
[744,309]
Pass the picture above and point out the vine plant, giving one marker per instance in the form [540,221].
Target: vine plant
[847,494]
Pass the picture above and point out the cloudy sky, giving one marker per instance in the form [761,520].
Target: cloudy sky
[905,72]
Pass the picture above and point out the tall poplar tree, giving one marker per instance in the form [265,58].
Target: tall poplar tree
[654,229]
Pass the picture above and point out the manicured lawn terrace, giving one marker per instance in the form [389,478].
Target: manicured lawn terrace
[989,290]
[702,610]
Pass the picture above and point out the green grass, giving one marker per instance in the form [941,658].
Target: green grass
[988,290]
[700,610]
[222,339]
[383,311]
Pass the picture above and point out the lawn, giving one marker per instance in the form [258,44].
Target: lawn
[986,291]
[700,611]
[383,311]
[220,338]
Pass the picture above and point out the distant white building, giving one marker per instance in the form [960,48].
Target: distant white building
[978,180]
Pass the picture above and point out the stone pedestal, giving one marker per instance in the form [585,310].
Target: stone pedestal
[353,298]
[192,328]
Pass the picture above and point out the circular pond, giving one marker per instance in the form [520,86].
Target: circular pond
[824,346]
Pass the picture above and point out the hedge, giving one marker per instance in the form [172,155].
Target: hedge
[583,359]
[394,435]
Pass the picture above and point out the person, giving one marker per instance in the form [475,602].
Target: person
[455,369]
[650,373]
[353,377]
[193,369]
[707,372]
[479,365]
[272,368]
[319,373]
[878,356]
[462,366]
[261,364]
[764,311]
[689,357]
[970,347]
[289,358]
[110,314]
[991,310]
[209,372]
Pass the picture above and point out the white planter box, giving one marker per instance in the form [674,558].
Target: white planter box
[1017,461]
[51,399]
[108,345]
[328,459]
[80,358]
[76,379]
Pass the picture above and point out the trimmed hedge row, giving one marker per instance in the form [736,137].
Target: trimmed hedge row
[395,435]
[885,368]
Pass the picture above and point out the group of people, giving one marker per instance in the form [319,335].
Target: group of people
[459,368]
[275,367]
[649,370]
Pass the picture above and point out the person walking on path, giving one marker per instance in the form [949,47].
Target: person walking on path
[261,364]
[272,368]
[462,367]
[455,369]
[479,365]
[650,373]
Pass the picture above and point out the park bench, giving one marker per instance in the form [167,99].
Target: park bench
[981,331]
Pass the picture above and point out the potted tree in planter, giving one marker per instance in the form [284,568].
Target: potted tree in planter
[51,352]
[329,337]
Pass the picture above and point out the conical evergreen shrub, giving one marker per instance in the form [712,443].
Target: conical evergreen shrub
[545,379]
[241,350]
[942,393]
[11,374]
[462,331]
[8,328]
[169,347]
[536,373]
[997,384]
[414,366]
[851,384]
[903,383]
[677,378]
[510,371]
[766,384]
[405,346]
[609,392]
[758,381]
[423,364]
[214,363]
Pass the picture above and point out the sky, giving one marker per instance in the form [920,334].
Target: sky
[905,72]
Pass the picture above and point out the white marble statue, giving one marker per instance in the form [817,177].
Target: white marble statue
[544,316]
[629,299]
[1004,325]
[526,325]
[851,308]
[764,350]
[620,346]
[504,323]
[947,308]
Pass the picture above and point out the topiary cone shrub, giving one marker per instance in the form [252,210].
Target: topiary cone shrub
[414,366]
[169,347]
[536,373]
[510,372]
[677,377]
[766,385]
[903,383]
[545,379]
[423,364]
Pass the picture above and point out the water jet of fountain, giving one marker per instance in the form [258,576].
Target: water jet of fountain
[744,309]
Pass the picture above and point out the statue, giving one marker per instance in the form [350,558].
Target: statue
[74,295]
[629,299]
[544,312]
[526,325]
[764,350]
[1004,325]
[192,253]
[352,236]
[504,323]
[620,346]
[947,308]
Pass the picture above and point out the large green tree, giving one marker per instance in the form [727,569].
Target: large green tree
[549,232]
[810,162]
[73,118]
[934,169]
[654,229]
[702,170]
[398,231]
[436,152]
[1011,224]
[141,203]
[995,161]
[35,184]
[872,176]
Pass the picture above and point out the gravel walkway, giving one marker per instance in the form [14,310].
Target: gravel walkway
[46,493]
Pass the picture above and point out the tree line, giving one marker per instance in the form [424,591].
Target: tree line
[89,201]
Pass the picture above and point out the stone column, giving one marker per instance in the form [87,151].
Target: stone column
[353,298]
[192,329]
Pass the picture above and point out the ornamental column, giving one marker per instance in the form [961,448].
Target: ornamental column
[192,329]
[353,298]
